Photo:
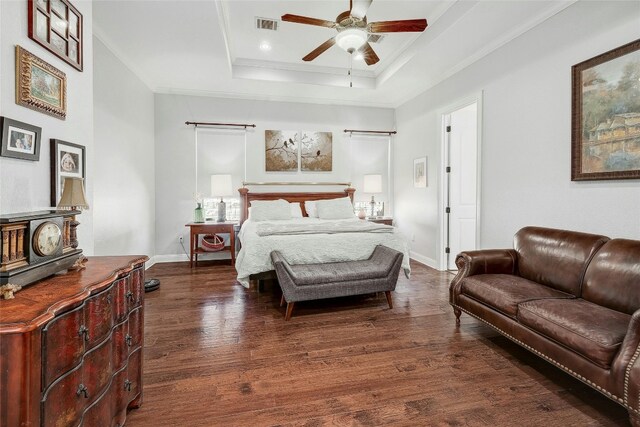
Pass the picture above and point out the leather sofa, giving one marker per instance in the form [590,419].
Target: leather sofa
[571,298]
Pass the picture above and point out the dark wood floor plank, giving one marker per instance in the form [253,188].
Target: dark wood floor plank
[217,354]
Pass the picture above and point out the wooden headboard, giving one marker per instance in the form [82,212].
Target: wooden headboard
[247,197]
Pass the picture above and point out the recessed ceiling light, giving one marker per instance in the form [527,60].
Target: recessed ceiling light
[265,46]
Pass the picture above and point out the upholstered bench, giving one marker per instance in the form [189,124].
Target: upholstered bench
[305,282]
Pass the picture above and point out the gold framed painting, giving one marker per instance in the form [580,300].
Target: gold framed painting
[39,85]
[605,132]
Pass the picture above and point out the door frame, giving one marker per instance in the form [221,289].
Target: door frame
[443,113]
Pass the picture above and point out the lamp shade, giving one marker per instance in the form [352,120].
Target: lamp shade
[221,185]
[351,39]
[73,194]
[373,184]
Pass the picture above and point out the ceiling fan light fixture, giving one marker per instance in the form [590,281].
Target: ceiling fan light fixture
[351,39]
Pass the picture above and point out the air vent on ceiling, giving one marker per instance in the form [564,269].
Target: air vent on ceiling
[266,24]
[375,38]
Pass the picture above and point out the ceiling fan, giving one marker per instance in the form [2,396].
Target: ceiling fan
[353,30]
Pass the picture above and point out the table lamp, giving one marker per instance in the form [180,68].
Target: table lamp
[373,185]
[73,198]
[221,186]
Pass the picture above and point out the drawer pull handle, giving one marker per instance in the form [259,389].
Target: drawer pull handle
[127,385]
[128,339]
[130,296]
[84,331]
[109,299]
[82,389]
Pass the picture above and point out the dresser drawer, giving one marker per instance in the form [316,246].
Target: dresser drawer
[64,402]
[98,316]
[97,369]
[63,345]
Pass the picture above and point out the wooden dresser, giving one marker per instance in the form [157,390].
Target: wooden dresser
[71,347]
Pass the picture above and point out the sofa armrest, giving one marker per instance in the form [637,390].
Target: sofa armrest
[486,261]
[626,366]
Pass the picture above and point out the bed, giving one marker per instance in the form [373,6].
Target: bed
[307,240]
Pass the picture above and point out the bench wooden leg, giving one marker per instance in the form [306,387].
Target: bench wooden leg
[389,300]
[289,310]
[457,312]
[282,300]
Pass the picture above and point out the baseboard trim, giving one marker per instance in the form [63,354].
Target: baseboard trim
[159,259]
[429,262]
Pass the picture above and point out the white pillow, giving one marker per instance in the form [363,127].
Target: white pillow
[335,208]
[268,210]
[310,207]
[296,210]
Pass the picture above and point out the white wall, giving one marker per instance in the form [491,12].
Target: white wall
[175,157]
[526,143]
[124,175]
[24,185]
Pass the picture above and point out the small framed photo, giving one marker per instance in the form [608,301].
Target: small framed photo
[67,159]
[20,140]
[420,172]
[40,86]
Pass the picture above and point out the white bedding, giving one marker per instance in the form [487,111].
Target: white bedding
[254,256]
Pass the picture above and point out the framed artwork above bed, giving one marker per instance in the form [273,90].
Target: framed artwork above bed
[293,151]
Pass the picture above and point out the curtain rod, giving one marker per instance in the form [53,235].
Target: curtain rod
[377,132]
[348,184]
[243,125]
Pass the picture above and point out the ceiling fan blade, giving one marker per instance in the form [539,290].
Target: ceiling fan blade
[368,54]
[359,8]
[406,26]
[320,49]
[309,21]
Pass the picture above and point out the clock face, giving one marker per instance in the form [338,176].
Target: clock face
[46,239]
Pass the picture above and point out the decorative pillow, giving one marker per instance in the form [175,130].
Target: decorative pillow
[268,210]
[296,210]
[335,208]
[310,207]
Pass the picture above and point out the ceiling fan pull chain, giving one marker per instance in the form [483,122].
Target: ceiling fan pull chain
[350,69]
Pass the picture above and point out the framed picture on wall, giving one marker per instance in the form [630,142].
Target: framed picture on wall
[56,25]
[40,86]
[67,159]
[605,133]
[20,140]
[420,172]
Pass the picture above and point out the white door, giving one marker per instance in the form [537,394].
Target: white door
[462,150]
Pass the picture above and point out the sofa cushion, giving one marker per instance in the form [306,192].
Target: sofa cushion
[504,291]
[613,276]
[593,331]
[555,258]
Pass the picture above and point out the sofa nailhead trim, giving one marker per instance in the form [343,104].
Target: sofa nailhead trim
[627,376]
[623,402]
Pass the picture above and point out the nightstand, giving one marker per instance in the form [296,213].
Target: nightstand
[197,228]
[387,220]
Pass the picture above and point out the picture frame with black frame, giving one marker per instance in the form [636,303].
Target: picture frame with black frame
[20,140]
[67,160]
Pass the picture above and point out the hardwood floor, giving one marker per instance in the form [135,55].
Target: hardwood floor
[217,354]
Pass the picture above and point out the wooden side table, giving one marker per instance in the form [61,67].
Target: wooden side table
[387,220]
[197,228]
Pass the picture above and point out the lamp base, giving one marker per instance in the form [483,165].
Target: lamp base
[222,211]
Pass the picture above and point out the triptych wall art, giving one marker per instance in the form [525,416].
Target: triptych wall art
[292,150]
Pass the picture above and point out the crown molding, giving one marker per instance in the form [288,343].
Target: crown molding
[99,34]
[273,98]
[535,20]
